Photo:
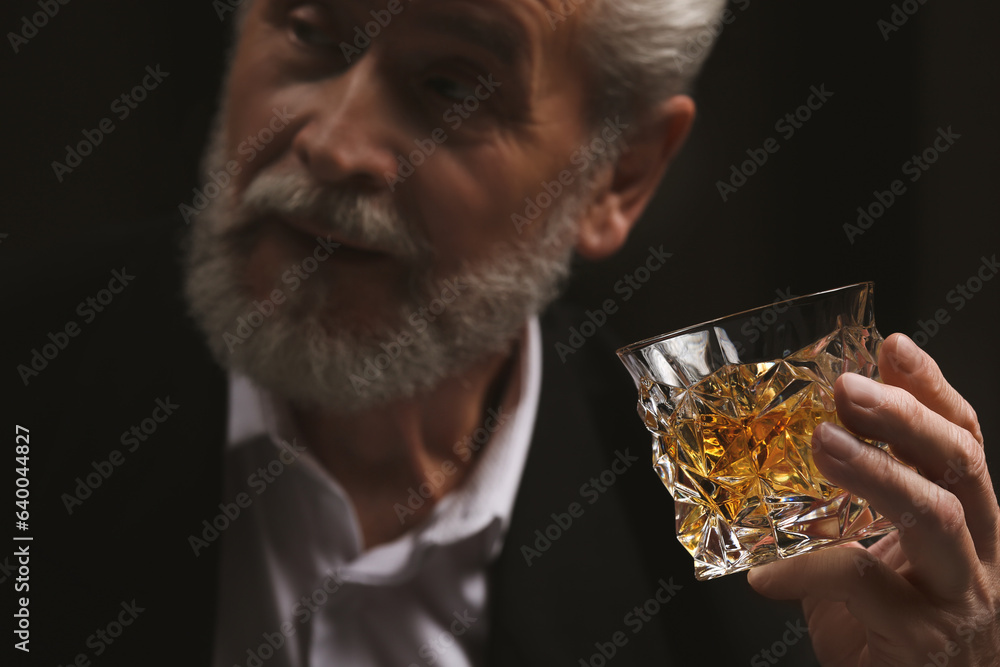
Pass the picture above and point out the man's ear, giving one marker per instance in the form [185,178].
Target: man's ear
[622,193]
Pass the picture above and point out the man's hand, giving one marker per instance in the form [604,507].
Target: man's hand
[928,594]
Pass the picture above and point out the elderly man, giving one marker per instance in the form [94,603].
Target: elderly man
[409,479]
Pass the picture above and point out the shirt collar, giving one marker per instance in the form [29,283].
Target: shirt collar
[489,492]
[482,505]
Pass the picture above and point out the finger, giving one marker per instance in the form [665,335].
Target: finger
[904,365]
[946,453]
[880,598]
[837,636]
[888,551]
[933,533]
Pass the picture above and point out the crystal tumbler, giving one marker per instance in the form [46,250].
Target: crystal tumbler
[732,405]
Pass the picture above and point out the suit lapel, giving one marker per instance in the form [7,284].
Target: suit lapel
[609,570]
[571,568]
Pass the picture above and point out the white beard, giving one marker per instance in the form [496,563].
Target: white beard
[309,354]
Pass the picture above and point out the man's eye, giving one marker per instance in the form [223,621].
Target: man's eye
[310,34]
[449,88]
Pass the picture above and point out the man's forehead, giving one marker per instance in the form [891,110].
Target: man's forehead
[515,31]
[561,6]
[504,38]
[546,14]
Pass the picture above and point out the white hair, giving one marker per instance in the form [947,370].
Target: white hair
[646,51]
[305,351]
[642,51]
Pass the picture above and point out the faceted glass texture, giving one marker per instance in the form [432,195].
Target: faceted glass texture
[732,405]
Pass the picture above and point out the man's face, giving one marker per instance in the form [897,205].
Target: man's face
[412,133]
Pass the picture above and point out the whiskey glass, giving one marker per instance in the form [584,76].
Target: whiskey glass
[732,405]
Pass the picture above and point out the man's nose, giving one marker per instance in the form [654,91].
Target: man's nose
[350,130]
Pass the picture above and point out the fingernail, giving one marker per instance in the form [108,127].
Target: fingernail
[862,391]
[834,441]
[817,440]
[907,354]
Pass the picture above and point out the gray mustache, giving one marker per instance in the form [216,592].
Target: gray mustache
[366,220]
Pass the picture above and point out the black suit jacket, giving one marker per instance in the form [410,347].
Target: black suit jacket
[590,571]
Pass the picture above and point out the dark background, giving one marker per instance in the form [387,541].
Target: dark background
[782,230]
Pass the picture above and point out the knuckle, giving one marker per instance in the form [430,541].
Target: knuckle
[976,465]
[928,369]
[902,411]
[964,414]
[909,412]
[882,464]
[948,513]
[968,465]
[973,419]
[891,398]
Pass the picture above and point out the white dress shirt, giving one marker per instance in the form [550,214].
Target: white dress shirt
[297,587]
